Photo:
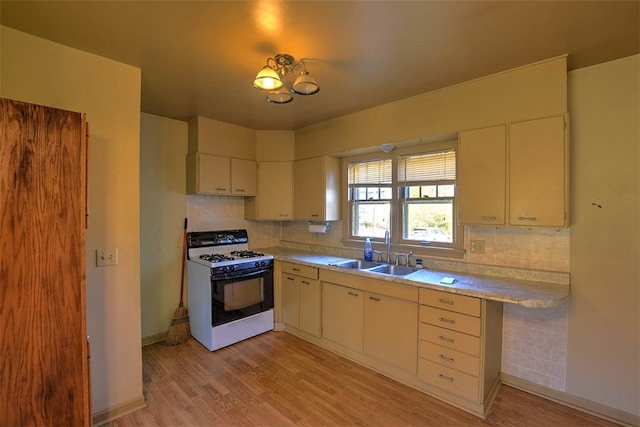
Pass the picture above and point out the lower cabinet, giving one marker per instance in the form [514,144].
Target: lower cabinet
[390,330]
[460,347]
[445,344]
[301,298]
[342,315]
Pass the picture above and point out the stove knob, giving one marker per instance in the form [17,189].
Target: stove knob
[257,264]
[232,267]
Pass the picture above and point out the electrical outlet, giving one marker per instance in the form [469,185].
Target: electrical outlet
[106,257]
[477,246]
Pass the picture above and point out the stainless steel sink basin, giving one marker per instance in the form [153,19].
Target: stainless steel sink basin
[393,270]
[358,264]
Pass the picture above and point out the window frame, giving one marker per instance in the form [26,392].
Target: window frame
[453,249]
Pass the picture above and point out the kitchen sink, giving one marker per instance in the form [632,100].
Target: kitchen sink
[358,264]
[393,270]
[376,267]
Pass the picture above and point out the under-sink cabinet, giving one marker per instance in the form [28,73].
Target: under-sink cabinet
[301,298]
[343,315]
[460,347]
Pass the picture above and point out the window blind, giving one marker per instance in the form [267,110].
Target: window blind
[374,172]
[439,166]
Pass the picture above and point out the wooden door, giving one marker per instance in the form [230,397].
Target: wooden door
[44,369]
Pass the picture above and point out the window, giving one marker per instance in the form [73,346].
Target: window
[410,194]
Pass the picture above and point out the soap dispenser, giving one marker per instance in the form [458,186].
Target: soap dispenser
[368,251]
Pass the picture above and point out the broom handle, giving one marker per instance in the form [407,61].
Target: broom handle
[184,255]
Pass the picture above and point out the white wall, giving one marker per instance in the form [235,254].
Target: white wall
[163,207]
[38,71]
[603,359]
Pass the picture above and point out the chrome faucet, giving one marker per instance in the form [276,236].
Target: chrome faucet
[387,241]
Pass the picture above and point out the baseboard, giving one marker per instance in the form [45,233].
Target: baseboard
[118,411]
[152,339]
[584,405]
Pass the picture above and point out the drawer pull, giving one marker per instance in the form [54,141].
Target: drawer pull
[290,278]
[240,190]
[304,283]
[295,269]
[374,299]
[445,320]
[447,359]
[221,189]
[446,339]
[527,218]
[445,301]
[487,218]
[353,294]
[446,378]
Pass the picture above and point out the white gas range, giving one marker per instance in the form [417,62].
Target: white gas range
[230,288]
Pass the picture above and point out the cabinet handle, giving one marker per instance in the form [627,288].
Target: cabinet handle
[374,299]
[304,283]
[240,190]
[290,278]
[315,215]
[488,218]
[446,378]
[221,189]
[295,269]
[283,215]
[527,218]
[446,339]
[445,320]
[445,301]
[353,294]
[446,359]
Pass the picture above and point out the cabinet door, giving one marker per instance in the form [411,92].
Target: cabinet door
[309,303]
[538,165]
[342,315]
[243,177]
[207,174]
[481,180]
[290,300]
[391,330]
[275,190]
[316,194]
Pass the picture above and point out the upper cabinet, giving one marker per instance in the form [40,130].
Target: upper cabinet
[274,199]
[519,172]
[482,164]
[216,175]
[316,194]
[221,159]
[539,173]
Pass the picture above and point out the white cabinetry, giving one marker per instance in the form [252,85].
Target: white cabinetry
[460,347]
[518,171]
[274,198]
[316,194]
[216,175]
[301,298]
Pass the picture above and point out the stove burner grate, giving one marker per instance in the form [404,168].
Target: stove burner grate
[246,254]
[216,257]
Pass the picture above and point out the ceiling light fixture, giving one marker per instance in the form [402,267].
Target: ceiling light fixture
[272,78]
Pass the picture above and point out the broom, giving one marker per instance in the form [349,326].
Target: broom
[179,330]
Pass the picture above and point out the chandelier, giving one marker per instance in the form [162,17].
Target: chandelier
[271,78]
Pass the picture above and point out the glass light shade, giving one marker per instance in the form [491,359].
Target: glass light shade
[267,79]
[305,84]
[281,96]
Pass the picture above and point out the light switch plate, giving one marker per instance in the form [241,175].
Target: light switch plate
[106,257]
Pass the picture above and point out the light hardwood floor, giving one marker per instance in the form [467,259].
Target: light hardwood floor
[277,379]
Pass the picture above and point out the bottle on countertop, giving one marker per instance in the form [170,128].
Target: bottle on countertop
[368,251]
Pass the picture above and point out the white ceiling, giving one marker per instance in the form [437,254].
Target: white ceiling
[200,57]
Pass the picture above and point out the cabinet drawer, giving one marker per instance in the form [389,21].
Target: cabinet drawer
[450,339]
[450,320]
[450,358]
[300,270]
[452,302]
[461,384]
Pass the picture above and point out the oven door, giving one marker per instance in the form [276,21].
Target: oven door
[235,296]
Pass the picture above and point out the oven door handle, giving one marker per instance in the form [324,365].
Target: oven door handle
[240,275]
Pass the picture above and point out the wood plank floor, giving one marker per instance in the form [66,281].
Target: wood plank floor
[277,379]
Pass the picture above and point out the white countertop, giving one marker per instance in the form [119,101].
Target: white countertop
[527,293]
